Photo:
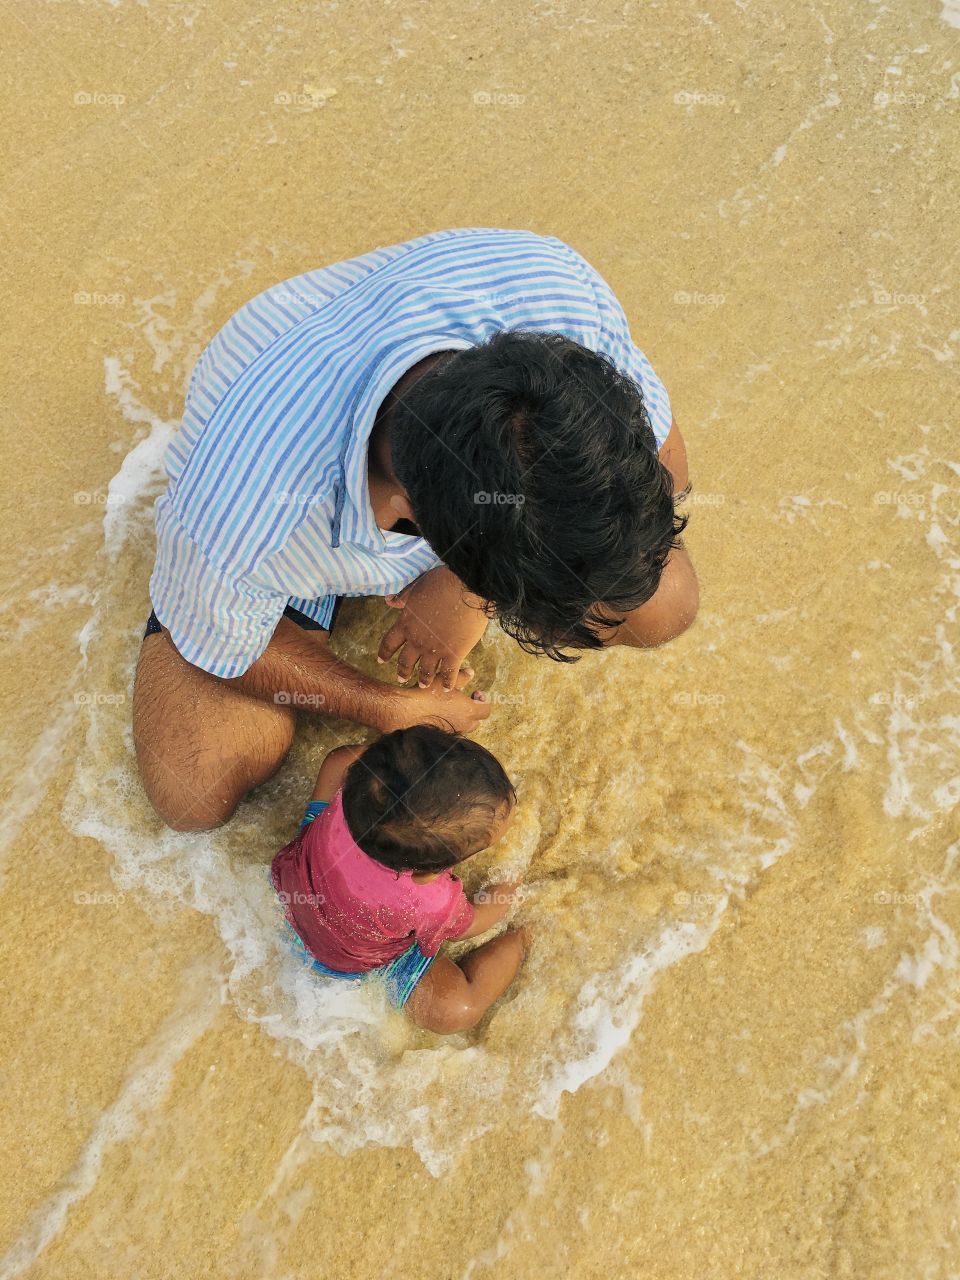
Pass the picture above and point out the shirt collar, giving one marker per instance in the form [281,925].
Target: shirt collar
[353,519]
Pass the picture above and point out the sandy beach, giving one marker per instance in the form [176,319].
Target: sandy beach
[733,1049]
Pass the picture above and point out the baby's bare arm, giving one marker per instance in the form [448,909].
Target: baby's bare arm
[334,767]
[490,905]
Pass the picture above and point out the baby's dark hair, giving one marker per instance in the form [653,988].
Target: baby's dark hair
[424,799]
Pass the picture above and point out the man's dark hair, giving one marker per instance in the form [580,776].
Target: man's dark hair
[532,470]
[423,799]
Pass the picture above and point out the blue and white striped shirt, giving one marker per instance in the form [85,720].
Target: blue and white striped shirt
[267,502]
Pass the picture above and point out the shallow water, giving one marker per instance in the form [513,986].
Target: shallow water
[733,1049]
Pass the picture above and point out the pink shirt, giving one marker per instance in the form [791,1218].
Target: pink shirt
[354,914]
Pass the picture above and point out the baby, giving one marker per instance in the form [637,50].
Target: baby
[367,884]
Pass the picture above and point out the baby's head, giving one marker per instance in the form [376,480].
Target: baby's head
[423,799]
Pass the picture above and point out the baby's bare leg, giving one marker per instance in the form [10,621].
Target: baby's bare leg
[454,997]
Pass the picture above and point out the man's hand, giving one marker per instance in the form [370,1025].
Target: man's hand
[459,711]
[298,669]
[439,623]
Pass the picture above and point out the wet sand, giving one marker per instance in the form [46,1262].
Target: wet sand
[733,1051]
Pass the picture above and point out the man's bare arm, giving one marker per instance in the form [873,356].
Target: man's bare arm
[673,455]
[298,669]
[673,607]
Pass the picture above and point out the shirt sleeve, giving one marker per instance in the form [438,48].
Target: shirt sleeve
[638,368]
[217,622]
[615,343]
[447,923]
[251,472]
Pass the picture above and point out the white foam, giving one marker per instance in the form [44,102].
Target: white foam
[937,957]
[34,773]
[609,1007]
[142,468]
[145,1087]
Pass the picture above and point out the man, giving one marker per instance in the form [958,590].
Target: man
[460,424]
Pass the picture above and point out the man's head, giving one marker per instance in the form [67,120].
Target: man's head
[424,799]
[532,470]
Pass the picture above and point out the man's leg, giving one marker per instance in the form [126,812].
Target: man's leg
[668,614]
[201,746]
